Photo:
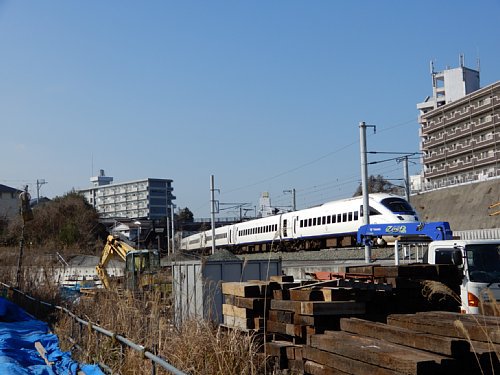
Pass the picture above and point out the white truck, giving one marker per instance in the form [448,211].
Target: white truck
[480,264]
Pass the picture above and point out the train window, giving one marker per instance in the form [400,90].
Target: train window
[356,215]
[349,216]
[344,217]
[361,211]
[301,223]
[323,220]
[319,221]
[310,222]
[373,211]
[314,221]
[334,219]
[328,219]
[339,218]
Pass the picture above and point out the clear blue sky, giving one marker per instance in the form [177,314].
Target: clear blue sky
[265,95]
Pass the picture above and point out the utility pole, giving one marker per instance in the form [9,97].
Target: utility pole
[39,184]
[407,178]
[364,183]
[173,228]
[212,210]
[294,204]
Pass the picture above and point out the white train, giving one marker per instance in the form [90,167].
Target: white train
[332,224]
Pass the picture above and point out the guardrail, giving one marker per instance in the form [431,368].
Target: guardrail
[155,360]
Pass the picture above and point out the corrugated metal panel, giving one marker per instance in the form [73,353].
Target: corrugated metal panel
[196,285]
[187,291]
[478,234]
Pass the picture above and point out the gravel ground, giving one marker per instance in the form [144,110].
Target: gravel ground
[347,254]
[327,254]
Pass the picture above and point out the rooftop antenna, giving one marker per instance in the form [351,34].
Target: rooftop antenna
[462,60]
[432,66]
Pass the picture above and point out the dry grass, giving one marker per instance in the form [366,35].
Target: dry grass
[434,289]
[197,347]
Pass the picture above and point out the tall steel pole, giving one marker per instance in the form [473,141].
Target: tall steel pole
[364,185]
[407,178]
[173,229]
[212,210]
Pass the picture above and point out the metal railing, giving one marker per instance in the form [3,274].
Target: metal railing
[155,360]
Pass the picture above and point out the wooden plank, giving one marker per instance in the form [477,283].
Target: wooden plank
[361,270]
[326,321]
[241,323]
[338,294]
[286,305]
[281,278]
[248,303]
[295,352]
[345,364]
[483,320]
[307,295]
[278,348]
[380,353]
[282,294]
[43,353]
[241,289]
[314,368]
[332,308]
[317,284]
[445,327]
[295,366]
[436,344]
[281,316]
[239,312]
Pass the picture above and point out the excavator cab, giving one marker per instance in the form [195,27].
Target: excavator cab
[141,266]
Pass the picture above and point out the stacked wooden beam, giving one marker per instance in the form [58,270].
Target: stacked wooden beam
[407,283]
[246,303]
[425,343]
[310,309]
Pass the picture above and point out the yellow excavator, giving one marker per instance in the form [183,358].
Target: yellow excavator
[141,266]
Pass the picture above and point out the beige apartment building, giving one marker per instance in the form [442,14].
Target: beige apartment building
[460,130]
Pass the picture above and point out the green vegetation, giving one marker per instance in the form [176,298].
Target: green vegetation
[67,222]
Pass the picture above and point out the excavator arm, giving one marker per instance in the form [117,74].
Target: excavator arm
[112,247]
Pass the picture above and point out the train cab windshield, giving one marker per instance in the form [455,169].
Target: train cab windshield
[398,206]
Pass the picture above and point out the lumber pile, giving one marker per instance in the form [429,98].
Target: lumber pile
[246,304]
[300,312]
[406,280]
[369,320]
[422,343]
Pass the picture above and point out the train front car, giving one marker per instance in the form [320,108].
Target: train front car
[388,208]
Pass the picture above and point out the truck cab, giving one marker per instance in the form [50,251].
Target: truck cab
[480,264]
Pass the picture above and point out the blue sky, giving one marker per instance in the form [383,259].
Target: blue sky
[265,95]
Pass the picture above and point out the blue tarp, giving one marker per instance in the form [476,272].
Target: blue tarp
[19,332]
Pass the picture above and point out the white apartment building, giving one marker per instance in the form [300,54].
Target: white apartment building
[150,198]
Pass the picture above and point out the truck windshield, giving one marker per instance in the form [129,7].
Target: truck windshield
[398,206]
[483,261]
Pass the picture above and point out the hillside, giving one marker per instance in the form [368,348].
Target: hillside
[464,207]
